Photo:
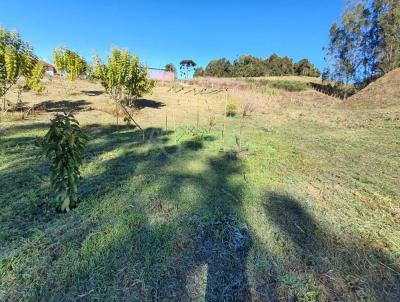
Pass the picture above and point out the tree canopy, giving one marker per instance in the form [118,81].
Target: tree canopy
[365,44]
[70,63]
[250,66]
[123,76]
[17,60]
[170,67]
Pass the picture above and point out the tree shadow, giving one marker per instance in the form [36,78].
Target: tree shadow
[92,92]
[215,234]
[173,230]
[23,126]
[65,105]
[355,264]
[146,103]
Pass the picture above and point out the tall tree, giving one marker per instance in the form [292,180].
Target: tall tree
[306,68]
[198,72]
[219,68]
[248,66]
[386,20]
[366,42]
[341,51]
[186,66]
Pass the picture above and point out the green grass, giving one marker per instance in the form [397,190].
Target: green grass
[306,213]
[289,85]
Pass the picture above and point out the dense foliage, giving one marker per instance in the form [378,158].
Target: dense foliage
[64,145]
[17,60]
[170,67]
[199,72]
[36,75]
[366,42]
[123,76]
[70,63]
[250,66]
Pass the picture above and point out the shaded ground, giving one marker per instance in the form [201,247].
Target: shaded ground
[145,103]
[61,106]
[307,213]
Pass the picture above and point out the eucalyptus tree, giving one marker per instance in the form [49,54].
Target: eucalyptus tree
[386,21]
[366,42]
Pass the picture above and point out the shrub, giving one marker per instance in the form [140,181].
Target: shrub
[231,109]
[64,146]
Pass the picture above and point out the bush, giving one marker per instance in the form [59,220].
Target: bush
[231,109]
[64,145]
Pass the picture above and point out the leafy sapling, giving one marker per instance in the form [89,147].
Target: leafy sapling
[64,146]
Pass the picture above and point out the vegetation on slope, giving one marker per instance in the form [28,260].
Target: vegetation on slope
[382,93]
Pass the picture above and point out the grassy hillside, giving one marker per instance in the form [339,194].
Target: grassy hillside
[308,210]
[384,92]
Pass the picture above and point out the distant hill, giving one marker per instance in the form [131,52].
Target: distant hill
[384,92]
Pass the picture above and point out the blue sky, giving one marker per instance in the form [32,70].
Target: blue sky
[168,31]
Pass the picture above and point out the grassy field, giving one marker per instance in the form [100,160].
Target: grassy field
[307,210]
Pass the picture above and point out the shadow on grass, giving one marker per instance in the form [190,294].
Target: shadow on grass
[65,105]
[146,103]
[211,234]
[369,273]
[149,227]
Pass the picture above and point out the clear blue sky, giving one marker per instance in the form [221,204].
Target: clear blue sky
[168,31]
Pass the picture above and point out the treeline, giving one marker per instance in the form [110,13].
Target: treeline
[250,66]
[365,44]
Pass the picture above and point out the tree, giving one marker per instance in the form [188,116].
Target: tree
[70,63]
[170,67]
[326,73]
[219,68]
[306,68]
[273,65]
[123,77]
[186,67]
[248,66]
[386,21]
[341,50]
[36,75]
[16,60]
[199,72]
[365,44]
[64,145]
